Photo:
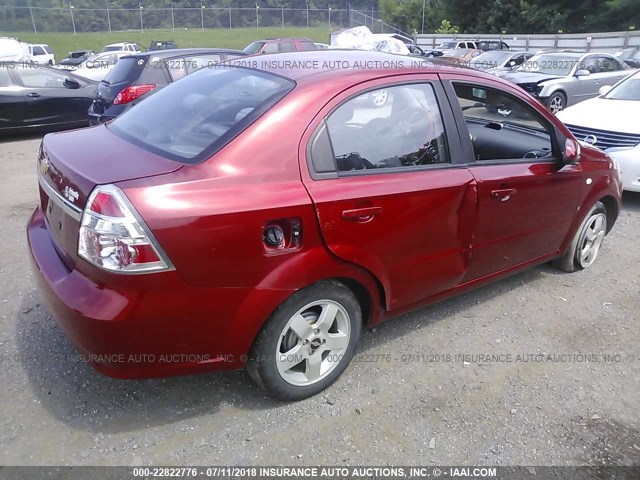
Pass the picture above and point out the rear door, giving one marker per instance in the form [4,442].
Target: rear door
[388,192]
[610,71]
[527,197]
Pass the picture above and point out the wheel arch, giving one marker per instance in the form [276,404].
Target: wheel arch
[612,208]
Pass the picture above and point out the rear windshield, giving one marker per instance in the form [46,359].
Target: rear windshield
[127,69]
[191,119]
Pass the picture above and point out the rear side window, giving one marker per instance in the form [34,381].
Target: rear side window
[395,127]
[606,64]
[190,120]
[126,70]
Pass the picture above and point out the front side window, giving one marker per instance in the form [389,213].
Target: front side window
[41,78]
[395,127]
[190,120]
[286,47]
[38,51]
[502,127]
[590,64]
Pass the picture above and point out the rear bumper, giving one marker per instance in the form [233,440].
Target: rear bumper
[151,326]
[96,117]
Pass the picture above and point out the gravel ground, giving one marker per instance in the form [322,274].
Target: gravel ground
[558,383]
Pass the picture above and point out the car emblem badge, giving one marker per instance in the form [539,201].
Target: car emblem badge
[70,194]
[591,139]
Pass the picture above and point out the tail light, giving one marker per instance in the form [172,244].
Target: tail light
[130,93]
[114,237]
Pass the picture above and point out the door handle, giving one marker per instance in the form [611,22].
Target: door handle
[365,213]
[503,194]
[33,95]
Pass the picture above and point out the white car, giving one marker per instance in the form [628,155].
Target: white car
[610,122]
[42,54]
[123,47]
[97,67]
[13,50]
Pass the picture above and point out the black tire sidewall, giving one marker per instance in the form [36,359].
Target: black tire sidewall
[262,359]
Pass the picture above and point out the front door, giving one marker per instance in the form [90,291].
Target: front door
[526,196]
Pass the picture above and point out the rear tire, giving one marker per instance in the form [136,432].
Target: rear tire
[587,241]
[307,343]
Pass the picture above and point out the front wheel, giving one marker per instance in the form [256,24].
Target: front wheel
[557,102]
[586,244]
[307,343]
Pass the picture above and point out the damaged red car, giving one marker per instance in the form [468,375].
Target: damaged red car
[261,218]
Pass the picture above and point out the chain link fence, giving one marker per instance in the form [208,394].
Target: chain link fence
[76,20]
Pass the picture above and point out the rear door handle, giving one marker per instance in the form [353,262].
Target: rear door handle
[503,194]
[33,95]
[364,213]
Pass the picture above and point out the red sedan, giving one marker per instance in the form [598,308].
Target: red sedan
[261,217]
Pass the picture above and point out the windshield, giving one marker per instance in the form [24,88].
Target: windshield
[628,89]
[493,59]
[458,52]
[113,48]
[191,119]
[447,45]
[254,48]
[560,65]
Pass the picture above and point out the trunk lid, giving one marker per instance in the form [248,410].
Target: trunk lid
[71,164]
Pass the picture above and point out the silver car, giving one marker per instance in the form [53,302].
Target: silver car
[560,79]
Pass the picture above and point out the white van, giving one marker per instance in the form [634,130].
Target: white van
[42,54]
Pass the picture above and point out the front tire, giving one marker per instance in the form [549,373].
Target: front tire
[587,241]
[557,102]
[307,343]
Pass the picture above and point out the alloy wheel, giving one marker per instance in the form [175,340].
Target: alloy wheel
[313,342]
[591,239]
[556,104]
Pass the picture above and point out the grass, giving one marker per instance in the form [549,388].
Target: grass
[238,38]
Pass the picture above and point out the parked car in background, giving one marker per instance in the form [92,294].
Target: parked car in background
[630,56]
[465,44]
[487,45]
[138,76]
[460,56]
[497,62]
[610,122]
[75,58]
[123,47]
[562,79]
[163,45]
[96,67]
[36,97]
[321,46]
[42,54]
[355,214]
[13,50]
[279,45]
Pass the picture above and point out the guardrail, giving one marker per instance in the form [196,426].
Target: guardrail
[610,42]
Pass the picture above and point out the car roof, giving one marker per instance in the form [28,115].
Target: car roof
[284,39]
[338,64]
[174,52]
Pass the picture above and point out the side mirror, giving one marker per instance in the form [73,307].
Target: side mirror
[583,73]
[568,147]
[603,90]
[71,83]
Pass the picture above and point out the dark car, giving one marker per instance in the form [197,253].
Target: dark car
[487,45]
[138,76]
[279,45]
[630,56]
[261,218]
[163,45]
[36,97]
[75,58]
